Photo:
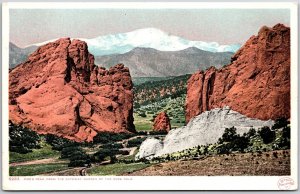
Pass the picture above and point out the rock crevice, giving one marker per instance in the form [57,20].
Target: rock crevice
[256,83]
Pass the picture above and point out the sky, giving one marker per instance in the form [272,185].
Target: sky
[225,26]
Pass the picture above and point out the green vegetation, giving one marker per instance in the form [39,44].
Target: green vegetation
[110,150]
[267,134]
[36,169]
[280,123]
[108,146]
[142,124]
[129,158]
[136,142]
[231,141]
[22,140]
[116,169]
[153,91]
[153,96]
[173,107]
[58,143]
[107,137]
[36,154]
[140,80]
[76,155]
[105,153]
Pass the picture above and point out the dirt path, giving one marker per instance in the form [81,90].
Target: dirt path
[132,151]
[41,161]
[68,172]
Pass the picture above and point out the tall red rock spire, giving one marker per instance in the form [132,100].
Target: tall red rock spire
[256,83]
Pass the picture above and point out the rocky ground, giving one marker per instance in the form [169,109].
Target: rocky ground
[273,163]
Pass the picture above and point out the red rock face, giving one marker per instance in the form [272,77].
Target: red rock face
[60,91]
[162,122]
[256,83]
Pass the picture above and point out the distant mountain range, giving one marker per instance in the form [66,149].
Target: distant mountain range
[147,38]
[147,52]
[147,62]
[18,55]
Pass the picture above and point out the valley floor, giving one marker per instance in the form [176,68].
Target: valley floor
[273,163]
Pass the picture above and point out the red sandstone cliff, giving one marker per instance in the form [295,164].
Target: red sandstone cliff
[256,83]
[162,122]
[60,91]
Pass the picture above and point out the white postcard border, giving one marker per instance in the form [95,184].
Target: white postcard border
[147,182]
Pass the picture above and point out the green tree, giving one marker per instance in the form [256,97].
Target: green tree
[251,133]
[58,143]
[104,153]
[280,123]
[228,135]
[267,135]
[22,139]
[76,155]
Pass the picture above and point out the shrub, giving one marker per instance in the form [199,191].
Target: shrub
[231,141]
[68,152]
[58,143]
[79,159]
[240,143]
[251,133]
[267,135]
[136,105]
[103,153]
[135,142]
[79,163]
[223,148]
[142,133]
[158,132]
[286,132]
[112,146]
[108,137]
[228,135]
[76,155]
[280,123]
[123,152]
[22,139]
[142,114]
[284,140]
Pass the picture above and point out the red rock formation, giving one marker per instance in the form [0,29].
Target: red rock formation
[256,83]
[162,122]
[60,91]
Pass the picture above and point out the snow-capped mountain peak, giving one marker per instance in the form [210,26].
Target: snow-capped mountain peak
[148,38]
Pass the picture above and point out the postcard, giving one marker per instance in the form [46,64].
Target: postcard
[150,96]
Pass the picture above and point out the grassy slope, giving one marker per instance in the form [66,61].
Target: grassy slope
[152,91]
[173,107]
[36,169]
[155,96]
[36,154]
[116,169]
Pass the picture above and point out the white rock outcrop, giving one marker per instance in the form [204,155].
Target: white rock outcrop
[151,146]
[203,129]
